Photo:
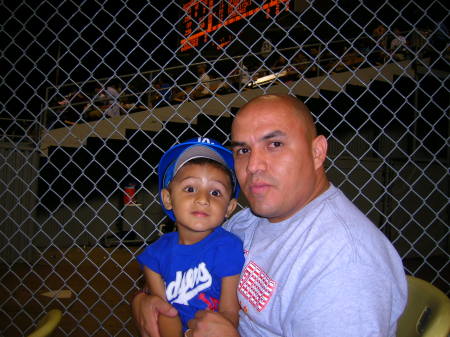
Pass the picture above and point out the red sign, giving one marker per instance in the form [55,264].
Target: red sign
[203,18]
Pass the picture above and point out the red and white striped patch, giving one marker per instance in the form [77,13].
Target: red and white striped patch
[256,286]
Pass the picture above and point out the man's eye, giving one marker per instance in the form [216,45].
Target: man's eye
[276,144]
[242,150]
[216,193]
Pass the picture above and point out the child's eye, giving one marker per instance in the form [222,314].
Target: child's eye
[216,193]
[189,189]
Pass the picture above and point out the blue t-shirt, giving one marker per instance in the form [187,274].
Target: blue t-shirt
[193,273]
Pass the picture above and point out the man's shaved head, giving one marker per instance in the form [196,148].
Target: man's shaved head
[298,108]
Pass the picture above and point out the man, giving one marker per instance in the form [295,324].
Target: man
[204,86]
[314,265]
[112,94]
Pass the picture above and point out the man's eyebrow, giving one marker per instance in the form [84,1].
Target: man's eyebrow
[273,134]
[236,144]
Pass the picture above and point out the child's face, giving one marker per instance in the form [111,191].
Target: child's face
[200,197]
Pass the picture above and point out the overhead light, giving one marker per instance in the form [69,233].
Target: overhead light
[267,78]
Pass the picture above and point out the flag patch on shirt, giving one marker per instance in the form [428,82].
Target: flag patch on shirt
[256,286]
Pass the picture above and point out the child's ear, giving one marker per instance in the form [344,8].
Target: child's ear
[166,199]
[231,207]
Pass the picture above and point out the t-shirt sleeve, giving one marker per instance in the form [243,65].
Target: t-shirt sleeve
[229,256]
[150,256]
[352,301]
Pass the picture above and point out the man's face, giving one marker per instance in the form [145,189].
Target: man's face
[274,160]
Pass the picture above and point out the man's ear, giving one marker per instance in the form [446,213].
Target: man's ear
[166,199]
[319,150]
[231,207]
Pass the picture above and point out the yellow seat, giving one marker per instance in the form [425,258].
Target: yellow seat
[47,324]
[427,313]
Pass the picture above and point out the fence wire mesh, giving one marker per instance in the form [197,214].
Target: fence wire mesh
[95,91]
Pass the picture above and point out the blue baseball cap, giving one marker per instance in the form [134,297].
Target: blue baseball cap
[178,155]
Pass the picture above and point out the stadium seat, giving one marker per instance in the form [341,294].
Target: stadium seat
[427,313]
[47,324]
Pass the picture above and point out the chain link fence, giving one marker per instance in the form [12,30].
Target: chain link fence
[95,91]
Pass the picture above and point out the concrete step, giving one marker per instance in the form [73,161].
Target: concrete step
[219,105]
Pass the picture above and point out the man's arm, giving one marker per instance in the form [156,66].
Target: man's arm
[209,323]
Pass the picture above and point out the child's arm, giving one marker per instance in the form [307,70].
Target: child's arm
[168,326]
[229,304]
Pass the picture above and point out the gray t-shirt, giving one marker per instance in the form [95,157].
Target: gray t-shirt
[326,271]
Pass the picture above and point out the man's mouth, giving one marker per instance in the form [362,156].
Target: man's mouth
[259,188]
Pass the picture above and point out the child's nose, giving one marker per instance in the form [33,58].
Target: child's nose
[203,198]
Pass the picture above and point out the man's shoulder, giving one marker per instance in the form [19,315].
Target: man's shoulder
[245,215]
[347,232]
[240,222]
[226,237]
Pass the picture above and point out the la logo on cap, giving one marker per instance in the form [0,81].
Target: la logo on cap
[203,140]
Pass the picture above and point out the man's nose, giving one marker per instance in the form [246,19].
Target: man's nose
[256,162]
